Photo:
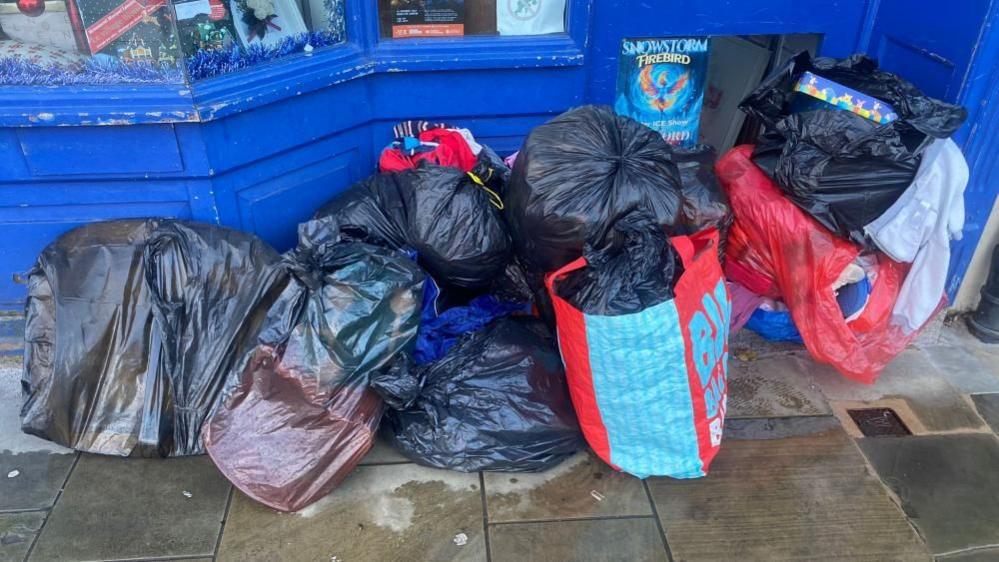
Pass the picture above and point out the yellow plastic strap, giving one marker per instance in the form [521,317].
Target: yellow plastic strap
[494,197]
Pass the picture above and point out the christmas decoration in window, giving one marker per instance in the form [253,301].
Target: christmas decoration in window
[105,42]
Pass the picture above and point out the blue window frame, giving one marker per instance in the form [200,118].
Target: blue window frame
[362,54]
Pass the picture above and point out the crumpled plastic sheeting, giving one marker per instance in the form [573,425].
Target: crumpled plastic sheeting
[132,327]
[777,240]
[300,414]
[841,168]
[497,401]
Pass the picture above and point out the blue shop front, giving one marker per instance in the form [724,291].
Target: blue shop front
[252,113]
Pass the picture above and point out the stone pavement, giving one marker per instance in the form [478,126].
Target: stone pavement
[795,480]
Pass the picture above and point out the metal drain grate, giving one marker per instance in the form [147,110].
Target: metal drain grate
[878,422]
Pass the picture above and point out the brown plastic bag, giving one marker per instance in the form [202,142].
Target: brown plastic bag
[301,415]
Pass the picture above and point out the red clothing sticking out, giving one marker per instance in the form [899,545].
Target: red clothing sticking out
[451,150]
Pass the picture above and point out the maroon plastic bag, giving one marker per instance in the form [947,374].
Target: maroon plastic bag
[283,445]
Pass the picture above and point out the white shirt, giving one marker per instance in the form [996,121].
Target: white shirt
[918,228]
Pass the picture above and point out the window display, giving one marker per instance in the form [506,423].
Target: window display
[250,32]
[88,42]
[446,18]
[104,42]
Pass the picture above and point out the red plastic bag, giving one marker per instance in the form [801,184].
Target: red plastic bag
[777,241]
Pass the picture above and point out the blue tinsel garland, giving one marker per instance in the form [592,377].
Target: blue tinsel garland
[208,63]
[99,71]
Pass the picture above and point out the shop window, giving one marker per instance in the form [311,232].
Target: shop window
[106,42]
[254,31]
[401,19]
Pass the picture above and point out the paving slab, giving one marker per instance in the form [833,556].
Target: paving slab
[582,486]
[115,508]
[594,540]
[382,452]
[956,333]
[948,485]
[41,466]
[747,341]
[799,496]
[384,512]
[772,386]
[32,480]
[965,369]
[17,530]
[932,331]
[12,440]
[911,377]
[776,428]
[976,555]
[970,364]
[988,407]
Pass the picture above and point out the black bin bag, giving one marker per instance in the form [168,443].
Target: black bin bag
[704,202]
[844,169]
[577,175]
[497,401]
[635,267]
[132,328]
[450,220]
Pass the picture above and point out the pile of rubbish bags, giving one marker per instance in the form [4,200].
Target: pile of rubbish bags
[487,318]
[841,237]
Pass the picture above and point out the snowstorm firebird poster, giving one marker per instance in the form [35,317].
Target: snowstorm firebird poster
[660,83]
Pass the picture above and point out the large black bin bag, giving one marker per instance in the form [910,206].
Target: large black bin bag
[132,327]
[577,175]
[497,401]
[841,168]
[452,222]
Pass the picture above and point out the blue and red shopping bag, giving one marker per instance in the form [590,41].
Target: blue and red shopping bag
[649,388]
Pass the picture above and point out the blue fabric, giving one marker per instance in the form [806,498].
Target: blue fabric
[779,326]
[774,326]
[643,392]
[853,297]
[438,333]
[431,292]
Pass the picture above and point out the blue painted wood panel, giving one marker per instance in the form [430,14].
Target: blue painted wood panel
[275,207]
[931,47]
[980,142]
[272,197]
[62,151]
